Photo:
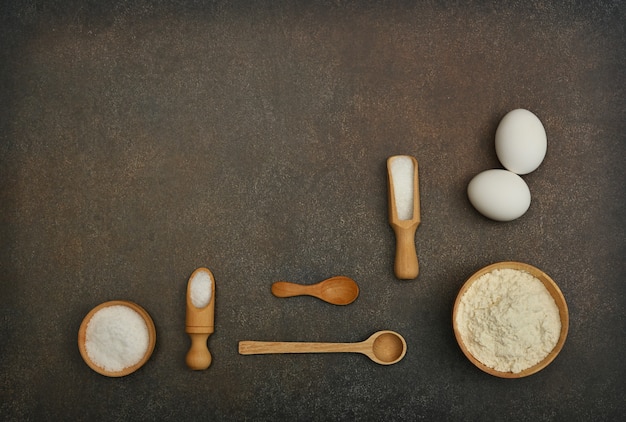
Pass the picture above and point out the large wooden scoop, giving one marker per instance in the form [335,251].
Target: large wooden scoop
[404,213]
[199,320]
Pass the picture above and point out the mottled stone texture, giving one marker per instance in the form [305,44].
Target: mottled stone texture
[140,140]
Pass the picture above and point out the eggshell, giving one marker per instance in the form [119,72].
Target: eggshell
[521,141]
[499,194]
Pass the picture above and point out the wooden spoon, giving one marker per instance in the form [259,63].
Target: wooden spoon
[383,347]
[405,266]
[337,290]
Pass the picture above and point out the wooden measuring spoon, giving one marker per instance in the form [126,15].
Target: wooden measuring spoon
[404,226]
[383,347]
[337,290]
[199,324]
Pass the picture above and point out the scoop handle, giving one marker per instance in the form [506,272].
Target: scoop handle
[198,357]
[406,266]
[267,347]
[287,289]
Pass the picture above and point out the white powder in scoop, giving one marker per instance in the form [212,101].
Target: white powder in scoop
[200,289]
[402,177]
[116,338]
[508,320]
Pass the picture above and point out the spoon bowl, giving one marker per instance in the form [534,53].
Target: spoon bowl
[383,347]
[337,290]
[388,347]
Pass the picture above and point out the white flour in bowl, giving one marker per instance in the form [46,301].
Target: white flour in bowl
[508,320]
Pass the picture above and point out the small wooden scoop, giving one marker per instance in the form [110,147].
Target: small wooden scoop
[383,347]
[337,290]
[404,217]
[199,324]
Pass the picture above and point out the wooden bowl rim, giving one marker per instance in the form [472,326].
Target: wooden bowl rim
[82,333]
[554,291]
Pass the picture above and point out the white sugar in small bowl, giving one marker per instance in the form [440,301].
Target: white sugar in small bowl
[135,363]
[550,286]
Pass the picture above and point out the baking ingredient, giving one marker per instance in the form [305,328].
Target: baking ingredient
[116,338]
[402,172]
[508,320]
[499,194]
[200,289]
[521,141]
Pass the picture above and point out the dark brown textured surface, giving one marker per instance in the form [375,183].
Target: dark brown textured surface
[141,141]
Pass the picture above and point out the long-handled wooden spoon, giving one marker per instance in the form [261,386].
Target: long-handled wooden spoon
[404,213]
[383,347]
[337,290]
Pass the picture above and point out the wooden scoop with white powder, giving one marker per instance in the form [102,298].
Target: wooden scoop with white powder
[199,322]
[404,212]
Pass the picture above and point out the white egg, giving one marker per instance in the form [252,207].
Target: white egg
[521,141]
[499,194]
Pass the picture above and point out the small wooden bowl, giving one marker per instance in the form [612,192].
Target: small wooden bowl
[82,333]
[554,291]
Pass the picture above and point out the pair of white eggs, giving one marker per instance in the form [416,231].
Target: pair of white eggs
[521,145]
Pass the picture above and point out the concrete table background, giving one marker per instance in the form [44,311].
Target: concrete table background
[140,141]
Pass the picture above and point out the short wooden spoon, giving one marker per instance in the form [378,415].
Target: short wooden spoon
[383,347]
[337,290]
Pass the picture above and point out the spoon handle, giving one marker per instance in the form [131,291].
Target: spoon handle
[287,289]
[266,347]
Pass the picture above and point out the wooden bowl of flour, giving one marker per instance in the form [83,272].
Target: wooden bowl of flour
[505,321]
[116,338]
